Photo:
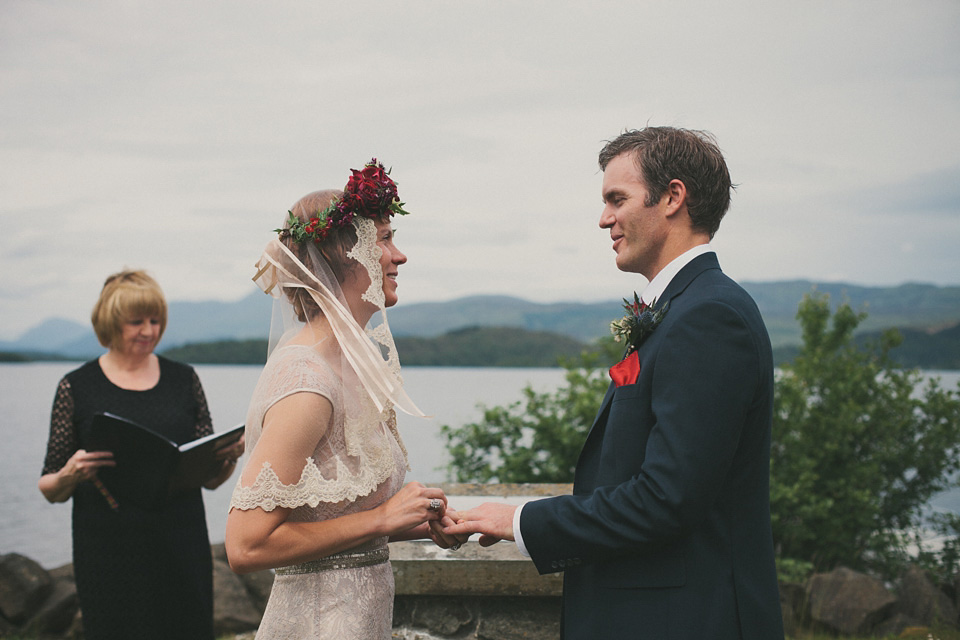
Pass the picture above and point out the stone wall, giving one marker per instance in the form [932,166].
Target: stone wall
[473,593]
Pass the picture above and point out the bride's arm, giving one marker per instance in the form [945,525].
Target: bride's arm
[258,539]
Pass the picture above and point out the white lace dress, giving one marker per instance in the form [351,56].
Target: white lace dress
[332,597]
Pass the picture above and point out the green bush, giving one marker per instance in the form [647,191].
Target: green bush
[539,438]
[859,447]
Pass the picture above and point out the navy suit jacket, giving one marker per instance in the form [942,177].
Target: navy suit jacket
[667,534]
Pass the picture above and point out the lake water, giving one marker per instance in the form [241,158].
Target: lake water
[35,528]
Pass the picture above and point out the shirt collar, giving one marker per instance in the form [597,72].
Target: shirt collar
[660,281]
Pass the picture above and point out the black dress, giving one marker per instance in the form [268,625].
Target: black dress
[140,574]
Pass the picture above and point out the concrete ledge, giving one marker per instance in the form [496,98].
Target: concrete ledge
[422,568]
[454,490]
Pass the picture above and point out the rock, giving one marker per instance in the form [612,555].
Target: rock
[6,628]
[219,551]
[515,618]
[233,609]
[400,633]
[76,627]
[58,611]
[793,598]
[403,610]
[921,600]
[63,572]
[258,585]
[24,585]
[899,625]
[848,602]
[444,616]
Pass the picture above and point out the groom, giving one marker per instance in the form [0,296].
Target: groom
[667,533]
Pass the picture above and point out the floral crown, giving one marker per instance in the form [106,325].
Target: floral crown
[370,193]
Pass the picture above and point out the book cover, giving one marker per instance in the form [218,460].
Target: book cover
[150,469]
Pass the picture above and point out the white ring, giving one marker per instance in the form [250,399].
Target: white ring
[435,505]
[454,546]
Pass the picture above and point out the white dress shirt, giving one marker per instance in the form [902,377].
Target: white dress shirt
[650,294]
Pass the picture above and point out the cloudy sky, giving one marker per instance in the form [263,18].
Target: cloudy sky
[174,135]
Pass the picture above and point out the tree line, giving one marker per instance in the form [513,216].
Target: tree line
[516,347]
[467,347]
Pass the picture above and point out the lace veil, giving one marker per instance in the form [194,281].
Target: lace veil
[316,344]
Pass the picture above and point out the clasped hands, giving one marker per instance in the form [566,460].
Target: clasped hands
[446,517]
[416,505]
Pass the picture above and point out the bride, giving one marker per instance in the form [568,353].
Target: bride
[321,494]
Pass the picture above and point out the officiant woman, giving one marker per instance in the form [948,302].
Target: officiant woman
[140,573]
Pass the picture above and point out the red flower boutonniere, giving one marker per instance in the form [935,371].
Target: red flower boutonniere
[634,328]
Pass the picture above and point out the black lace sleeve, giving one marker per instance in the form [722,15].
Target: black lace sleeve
[63,432]
[204,423]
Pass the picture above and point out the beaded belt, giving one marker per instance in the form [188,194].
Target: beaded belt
[350,560]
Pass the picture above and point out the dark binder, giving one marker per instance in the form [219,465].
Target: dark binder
[151,469]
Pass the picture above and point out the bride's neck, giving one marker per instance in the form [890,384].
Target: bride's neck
[316,330]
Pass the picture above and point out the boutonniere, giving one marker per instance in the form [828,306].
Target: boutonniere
[639,323]
[634,328]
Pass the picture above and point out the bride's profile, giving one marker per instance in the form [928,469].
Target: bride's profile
[322,491]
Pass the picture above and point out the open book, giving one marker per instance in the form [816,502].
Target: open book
[150,468]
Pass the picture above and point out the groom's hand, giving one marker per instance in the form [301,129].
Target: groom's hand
[440,537]
[493,520]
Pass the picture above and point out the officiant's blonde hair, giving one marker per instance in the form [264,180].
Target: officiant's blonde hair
[127,295]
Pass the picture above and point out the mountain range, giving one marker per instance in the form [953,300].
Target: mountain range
[919,308]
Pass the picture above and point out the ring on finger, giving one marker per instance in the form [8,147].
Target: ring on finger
[435,505]
[455,546]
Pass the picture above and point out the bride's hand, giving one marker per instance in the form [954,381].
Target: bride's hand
[411,506]
[444,540]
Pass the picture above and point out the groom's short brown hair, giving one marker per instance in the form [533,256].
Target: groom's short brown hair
[663,154]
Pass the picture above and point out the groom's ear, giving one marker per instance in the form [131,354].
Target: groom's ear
[676,195]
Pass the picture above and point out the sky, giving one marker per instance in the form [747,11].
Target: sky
[173,136]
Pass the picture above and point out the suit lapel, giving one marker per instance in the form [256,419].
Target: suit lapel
[604,408]
[596,431]
[677,285]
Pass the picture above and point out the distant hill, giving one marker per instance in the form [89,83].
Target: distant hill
[908,306]
[252,351]
[467,347]
[582,321]
[920,310]
[488,347]
[187,322]
[926,349]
